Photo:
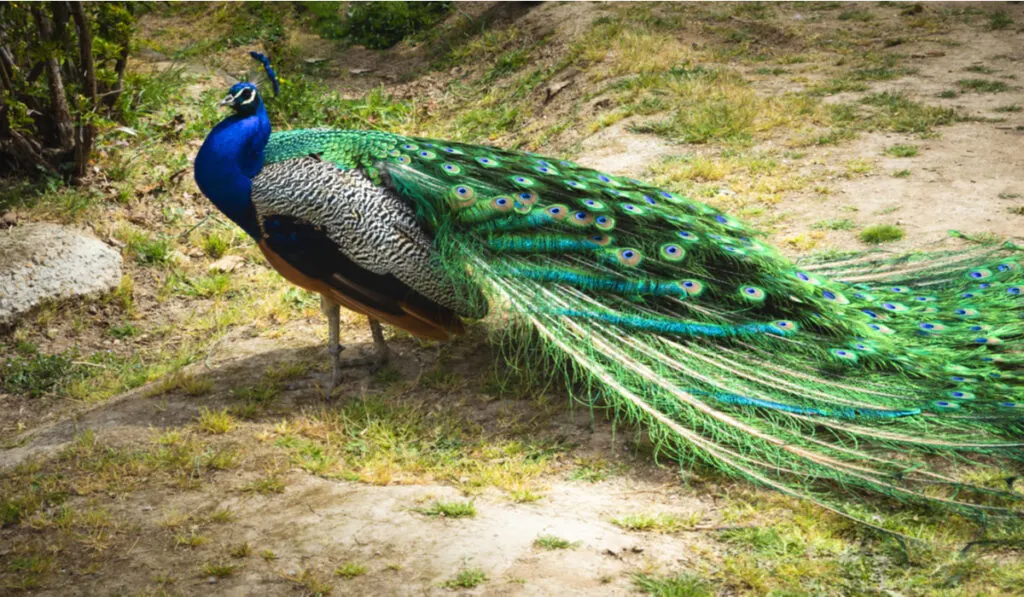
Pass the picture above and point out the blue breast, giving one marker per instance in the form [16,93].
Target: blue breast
[231,156]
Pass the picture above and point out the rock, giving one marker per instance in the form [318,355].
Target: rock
[40,261]
[227,263]
[8,219]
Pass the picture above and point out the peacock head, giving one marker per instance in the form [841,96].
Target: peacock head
[243,98]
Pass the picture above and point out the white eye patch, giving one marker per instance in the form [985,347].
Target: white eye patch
[248,100]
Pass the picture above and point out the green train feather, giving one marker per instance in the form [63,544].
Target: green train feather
[823,380]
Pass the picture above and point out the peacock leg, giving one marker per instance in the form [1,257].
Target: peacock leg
[333,313]
[383,353]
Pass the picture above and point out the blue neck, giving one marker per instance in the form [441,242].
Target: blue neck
[231,156]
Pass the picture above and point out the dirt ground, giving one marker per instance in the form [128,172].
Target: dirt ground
[967,177]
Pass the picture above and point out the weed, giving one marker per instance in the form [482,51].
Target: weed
[312,582]
[145,249]
[1017,210]
[1009,195]
[896,112]
[982,85]
[268,555]
[999,20]
[551,543]
[682,585]
[215,422]
[216,243]
[901,173]
[36,374]
[123,330]
[191,540]
[450,509]
[658,523]
[267,485]
[466,579]
[221,516]
[843,224]
[947,94]
[350,570]
[902,151]
[219,569]
[1009,108]
[859,167]
[881,233]
[242,550]
[980,69]
[855,15]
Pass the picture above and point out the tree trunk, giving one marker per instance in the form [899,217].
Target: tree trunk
[86,133]
[58,101]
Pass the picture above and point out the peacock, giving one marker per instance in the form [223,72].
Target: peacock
[894,377]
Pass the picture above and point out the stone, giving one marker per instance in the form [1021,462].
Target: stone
[227,264]
[41,261]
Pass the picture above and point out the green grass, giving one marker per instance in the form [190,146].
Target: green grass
[215,422]
[881,233]
[450,509]
[145,249]
[268,485]
[982,85]
[552,543]
[33,373]
[466,579]
[1009,108]
[350,570]
[999,20]
[981,69]
[901,173]
[947,94]
[681,585]
[843,224]
[855,15]
[219,569]
[902,151]
[123,330]
[657,523]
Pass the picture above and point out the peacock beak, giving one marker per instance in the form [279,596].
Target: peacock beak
[227,101]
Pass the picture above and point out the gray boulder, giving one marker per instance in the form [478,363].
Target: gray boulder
[40,261]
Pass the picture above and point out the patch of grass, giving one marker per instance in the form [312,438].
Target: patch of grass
[219,569]
[268,485]
[896,112]
[216,243]
[999,20]
[215,422]
[682,585]
[268,555]
[551,543]
[145,249]
[657,523]
[35,374]
[450,509]
[982,85]
[312,581]
[123,330]
[843,224]
[242,550]
[1017,210]
[466,579]
[350,570]
[947,94]
[1009,108]
[855,15]
[981,69]
[1009,195]
[881,233]
[190,539]
[207,286]
[834,86]
[901,173]
[859,167]
[902,151]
